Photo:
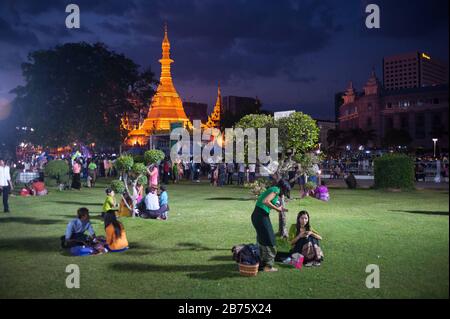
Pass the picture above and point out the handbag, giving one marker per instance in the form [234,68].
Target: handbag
[312,252]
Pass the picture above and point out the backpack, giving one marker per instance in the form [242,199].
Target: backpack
[247,254]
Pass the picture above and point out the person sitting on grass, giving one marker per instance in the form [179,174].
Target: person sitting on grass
[110,201]
[116,238]
[321,192]
[124,211]
[305,241]
[75,231]
[38,188]
[152,208]
[164,202]
[350,180]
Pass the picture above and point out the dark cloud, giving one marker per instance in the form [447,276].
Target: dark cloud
[33,7]
[408,19]
[298,50]
[16,36]
[214,40]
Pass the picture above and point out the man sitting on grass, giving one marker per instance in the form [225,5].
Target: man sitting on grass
[153,209]
[75,231]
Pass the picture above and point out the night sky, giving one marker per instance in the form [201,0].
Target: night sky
[291,54]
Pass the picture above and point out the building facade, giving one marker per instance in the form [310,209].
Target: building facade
[420,111]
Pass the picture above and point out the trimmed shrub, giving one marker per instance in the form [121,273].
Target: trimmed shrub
[124,163]
[58,171]
[139,159]
[118,186]
[153,156]
[394,171]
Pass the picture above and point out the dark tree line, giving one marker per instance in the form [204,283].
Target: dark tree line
[79,92]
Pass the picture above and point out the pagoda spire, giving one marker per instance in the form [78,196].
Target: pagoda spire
[215,117]
[166,106]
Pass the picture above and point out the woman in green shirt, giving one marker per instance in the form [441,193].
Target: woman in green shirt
[261,221]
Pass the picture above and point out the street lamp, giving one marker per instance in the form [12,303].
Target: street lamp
[434,147]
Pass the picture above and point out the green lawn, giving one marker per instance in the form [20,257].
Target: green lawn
[189,255]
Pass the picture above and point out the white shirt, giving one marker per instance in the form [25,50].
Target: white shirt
[5,177]
[151,201]
[241,168]
[251,168]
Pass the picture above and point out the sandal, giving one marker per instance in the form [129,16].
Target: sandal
[270,269]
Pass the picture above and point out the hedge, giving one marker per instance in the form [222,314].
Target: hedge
[57,171]
[394,171]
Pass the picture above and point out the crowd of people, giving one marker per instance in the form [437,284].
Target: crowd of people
[152,200]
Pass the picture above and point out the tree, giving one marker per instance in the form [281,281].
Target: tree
[131,174]
[298,135]
[78,92]
[395,137]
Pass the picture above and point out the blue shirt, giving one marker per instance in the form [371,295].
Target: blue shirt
[163,199]
[76,226]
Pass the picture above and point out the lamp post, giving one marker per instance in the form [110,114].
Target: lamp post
[434,147]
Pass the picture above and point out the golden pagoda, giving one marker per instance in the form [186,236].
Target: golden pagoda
[166,106]
[214,118]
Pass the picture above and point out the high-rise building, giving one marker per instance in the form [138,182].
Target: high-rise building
[236,107]
[413,70]
[196,111]
[238,104]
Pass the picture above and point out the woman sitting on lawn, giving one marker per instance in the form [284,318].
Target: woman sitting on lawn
[116,238]
[305,241]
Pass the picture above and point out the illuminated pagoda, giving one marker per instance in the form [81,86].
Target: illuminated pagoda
[166,106]
[214,118]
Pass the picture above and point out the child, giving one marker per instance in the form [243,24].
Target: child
[76,228]
[124,211]
[164,202]
[110,201]
[116,238]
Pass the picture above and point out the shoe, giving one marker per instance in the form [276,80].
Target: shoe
[287,261]
[309,264]
[270,269]
[316,264]
[7,211]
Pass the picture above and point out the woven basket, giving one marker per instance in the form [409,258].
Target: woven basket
[248,270]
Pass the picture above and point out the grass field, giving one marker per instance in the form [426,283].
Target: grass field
[188,256]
